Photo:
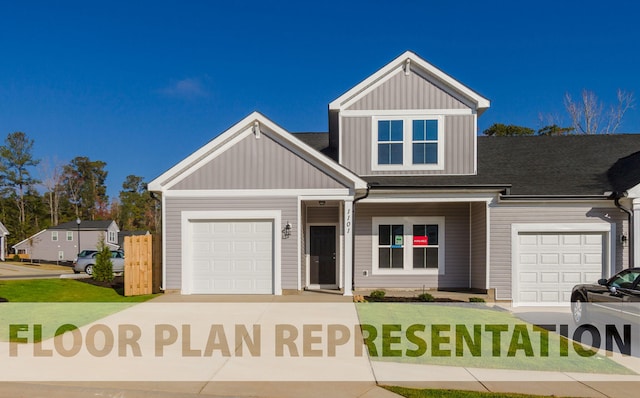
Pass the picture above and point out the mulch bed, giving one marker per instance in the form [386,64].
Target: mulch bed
[411,300]
[117,283]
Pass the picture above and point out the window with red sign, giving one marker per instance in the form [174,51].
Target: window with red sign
[425,246]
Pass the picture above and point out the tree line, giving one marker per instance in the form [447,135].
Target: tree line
[36,194]
[588,115]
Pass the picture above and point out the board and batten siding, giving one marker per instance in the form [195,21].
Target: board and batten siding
[173,230]
[408,92]
[478,266]
[503,215]
[456,245]
[459,151]
[258,163]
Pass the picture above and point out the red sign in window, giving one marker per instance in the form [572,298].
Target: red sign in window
[420,240]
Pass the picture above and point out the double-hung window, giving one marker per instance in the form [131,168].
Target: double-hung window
[408,245]
[408,143]
[69,236]
[54,236]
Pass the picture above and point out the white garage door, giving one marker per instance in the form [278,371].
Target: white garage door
[550,264]
[232,256]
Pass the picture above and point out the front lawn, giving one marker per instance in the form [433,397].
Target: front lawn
[62,291]
[472,336]
[50,304]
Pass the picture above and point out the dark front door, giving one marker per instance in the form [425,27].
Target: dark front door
[322,251]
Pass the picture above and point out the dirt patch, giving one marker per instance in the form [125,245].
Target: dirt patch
[117,284]
[392,299]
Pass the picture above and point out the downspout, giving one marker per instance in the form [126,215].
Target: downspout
[631,237]
[353,239]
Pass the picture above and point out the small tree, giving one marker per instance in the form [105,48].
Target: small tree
[103,269]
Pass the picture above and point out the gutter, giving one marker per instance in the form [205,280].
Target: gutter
[631,239]
[353,238]
[554,197]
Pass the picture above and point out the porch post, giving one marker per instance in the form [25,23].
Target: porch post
[348,247]
[634,240]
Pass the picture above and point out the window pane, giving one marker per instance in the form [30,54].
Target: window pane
[418,153]
[432,257]
[419,258]
[396,154]
[432,234]
[398,234]
[431,153]
[397,258]
[384,130]
[418,130]
[384,235]
[383,153]
[384,260]
[396,130]
[419,230]
[432,129]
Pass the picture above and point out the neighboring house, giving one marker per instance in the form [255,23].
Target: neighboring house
[61,243]
[3,241]
[400,194]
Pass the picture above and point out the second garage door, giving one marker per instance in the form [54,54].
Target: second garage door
[232,256]
[550,264]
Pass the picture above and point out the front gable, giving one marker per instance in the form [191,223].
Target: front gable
[256,154]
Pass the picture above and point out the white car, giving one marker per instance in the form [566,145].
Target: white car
[86,263]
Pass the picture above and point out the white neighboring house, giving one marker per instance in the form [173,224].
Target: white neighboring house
[63,242]
[3,241]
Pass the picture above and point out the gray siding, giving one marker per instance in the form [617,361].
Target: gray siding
[408,92]
[173,224]
[258,164]
[478,269]
[459,151]
[456,245]
[505,214]
[323,215]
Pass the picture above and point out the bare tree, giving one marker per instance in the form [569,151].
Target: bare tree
[52,178]
[589,116]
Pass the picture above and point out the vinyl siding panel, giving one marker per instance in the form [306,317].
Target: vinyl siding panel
[459,151]
[505,214]
[324,214]
[456,245]
[408,92]
[258,164]
[173,224]
[478,266]
[41,247]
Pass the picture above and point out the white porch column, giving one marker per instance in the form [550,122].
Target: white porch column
[635,235]
[348,247]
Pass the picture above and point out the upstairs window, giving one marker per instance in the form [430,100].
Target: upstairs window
[390,141]
[69,236]
[54,236]
[408,143]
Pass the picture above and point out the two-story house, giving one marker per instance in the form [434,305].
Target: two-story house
[401,193]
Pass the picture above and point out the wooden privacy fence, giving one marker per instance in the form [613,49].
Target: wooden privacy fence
[138,264]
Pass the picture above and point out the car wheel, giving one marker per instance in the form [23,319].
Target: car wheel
[579,310]
[89,269]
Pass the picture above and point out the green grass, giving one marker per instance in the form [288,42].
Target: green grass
[490,352]
[417,393]
[51,303]
[62,291]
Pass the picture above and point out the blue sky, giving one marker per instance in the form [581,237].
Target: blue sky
[142,84]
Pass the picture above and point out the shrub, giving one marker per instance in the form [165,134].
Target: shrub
[476,300]
[426,297]
[16,258]
[103,268]
[377,295]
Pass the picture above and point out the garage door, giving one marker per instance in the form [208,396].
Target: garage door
[232,256]
[550,264]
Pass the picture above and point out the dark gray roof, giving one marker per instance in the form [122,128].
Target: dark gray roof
[85,225]
[573,165]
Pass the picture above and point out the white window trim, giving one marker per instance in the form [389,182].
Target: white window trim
[407,148]
[112,237]
[54,236]
[69,236]
[408,223]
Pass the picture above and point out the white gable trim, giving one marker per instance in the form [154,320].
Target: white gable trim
[238,132]
[634,192]
[398,65]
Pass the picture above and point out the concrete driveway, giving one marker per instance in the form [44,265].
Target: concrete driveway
[24,271]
